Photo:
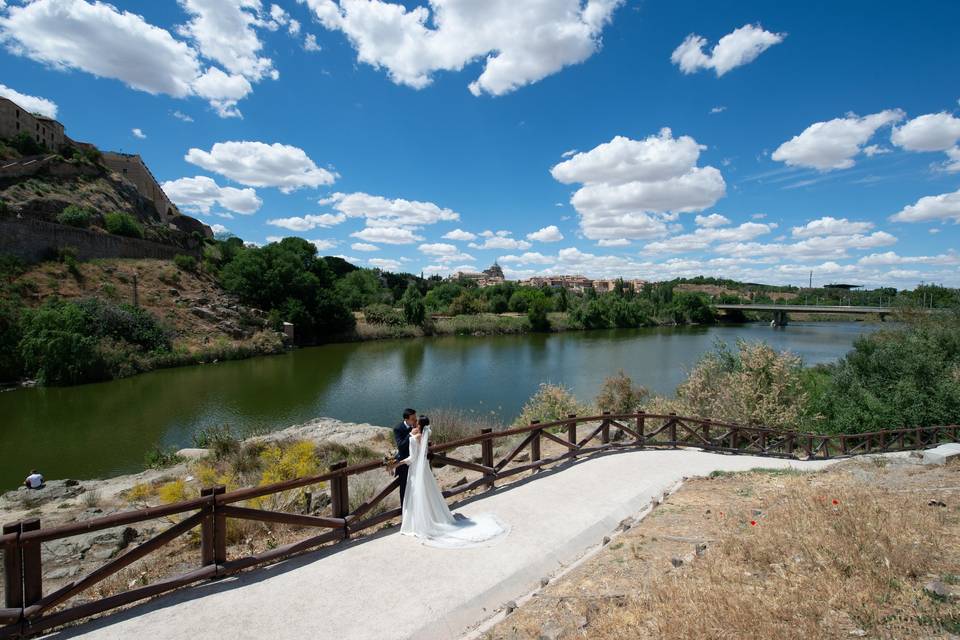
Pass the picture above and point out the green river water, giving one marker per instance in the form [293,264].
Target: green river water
[101,429]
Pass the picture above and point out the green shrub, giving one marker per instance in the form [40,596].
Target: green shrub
[57,348]
[161,457]
[221,440]
[619,395]
[123,224]
[550,403]
[76,216]
[414,310]
[185,262]
[27,144]
[537,315]
[383,314]
[68,256]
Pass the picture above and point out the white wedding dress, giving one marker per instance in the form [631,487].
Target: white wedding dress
[425,512]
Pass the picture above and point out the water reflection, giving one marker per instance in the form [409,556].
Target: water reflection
[106,428]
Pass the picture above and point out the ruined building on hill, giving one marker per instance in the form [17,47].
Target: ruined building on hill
[50,134]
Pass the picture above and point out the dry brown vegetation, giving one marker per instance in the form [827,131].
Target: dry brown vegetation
[841,554]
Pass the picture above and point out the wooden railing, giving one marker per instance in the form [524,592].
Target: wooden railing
[28,610]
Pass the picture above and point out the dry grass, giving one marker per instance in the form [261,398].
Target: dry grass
[830,561]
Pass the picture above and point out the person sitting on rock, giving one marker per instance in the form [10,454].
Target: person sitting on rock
[34,480]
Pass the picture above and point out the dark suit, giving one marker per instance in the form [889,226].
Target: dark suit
[401,433]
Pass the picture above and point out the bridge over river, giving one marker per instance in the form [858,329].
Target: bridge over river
[780,311]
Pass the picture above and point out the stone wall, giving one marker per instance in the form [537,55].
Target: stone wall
[36,240]
[132,167]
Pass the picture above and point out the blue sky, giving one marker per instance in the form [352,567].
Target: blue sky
[751,140]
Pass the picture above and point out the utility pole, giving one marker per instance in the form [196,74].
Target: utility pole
[136,301]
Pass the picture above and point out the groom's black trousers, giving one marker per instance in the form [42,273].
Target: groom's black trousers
[402,474]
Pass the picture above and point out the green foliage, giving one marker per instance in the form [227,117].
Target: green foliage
[550,403]
[439,298]
[185,262]
[26,144]
[892,379]
[221,440]
[158,457]
[414,310]
[76,216]
[618,394]
[361,288]
[338,266]
[383,314]
[465,304]
[66,343]
[537,315]
[68,256]
[288,278]
[123,224]
[11,364]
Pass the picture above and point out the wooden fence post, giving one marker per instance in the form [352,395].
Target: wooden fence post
[486,450]
[673,429]
[809,446]
[31,562]
[207,529]
[605,429]
[571,429]
[219,528]
[535,444]
[12,569]
[641,420]
[734,436]
[843,445]
[790,444]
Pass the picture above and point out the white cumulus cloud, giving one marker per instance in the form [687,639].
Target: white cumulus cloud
[364,246]
[385,212]
[517,43]
[257,164]
[547,234]
[833,144]
[138,133]
[305,223]
[829,226]
[97,38]
[703,237]
[200,193]
[739,47]
[712,220]
[460,235]
[631,188]
[945,206]
[387,235]
[384,263]
[501,242]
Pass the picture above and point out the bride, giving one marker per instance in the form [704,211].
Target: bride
[425,512]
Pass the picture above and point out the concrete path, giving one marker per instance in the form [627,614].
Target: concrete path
[392,587]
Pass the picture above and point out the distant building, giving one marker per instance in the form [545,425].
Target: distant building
[486,278]
[15,120]
[575,284]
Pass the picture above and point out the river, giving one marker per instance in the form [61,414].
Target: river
[97,430]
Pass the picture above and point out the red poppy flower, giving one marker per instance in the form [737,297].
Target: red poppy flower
[836,502]
[753,523]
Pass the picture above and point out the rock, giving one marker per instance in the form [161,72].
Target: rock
[551,630]
[321,501]
[544,582]
[582,622]
[101,553]
[676,562]
[510,607]
[757,512]
[62,572]
[942,454]
[71,483]
[859,633]
[625,524]
[173,293]
[700,549]
[938,588]
[606,540]
[193,453]
[203,313]
[936,503]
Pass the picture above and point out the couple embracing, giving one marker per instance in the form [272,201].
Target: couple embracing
[425,512]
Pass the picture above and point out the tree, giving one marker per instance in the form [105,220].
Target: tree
[360,288]
[537,314]
[414,310]
[561,301]
[288,277]
[123,224]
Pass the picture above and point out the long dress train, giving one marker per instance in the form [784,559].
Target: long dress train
[425,512]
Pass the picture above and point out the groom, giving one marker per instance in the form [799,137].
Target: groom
[401,433]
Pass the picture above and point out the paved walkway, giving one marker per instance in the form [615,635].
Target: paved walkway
[392,587]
